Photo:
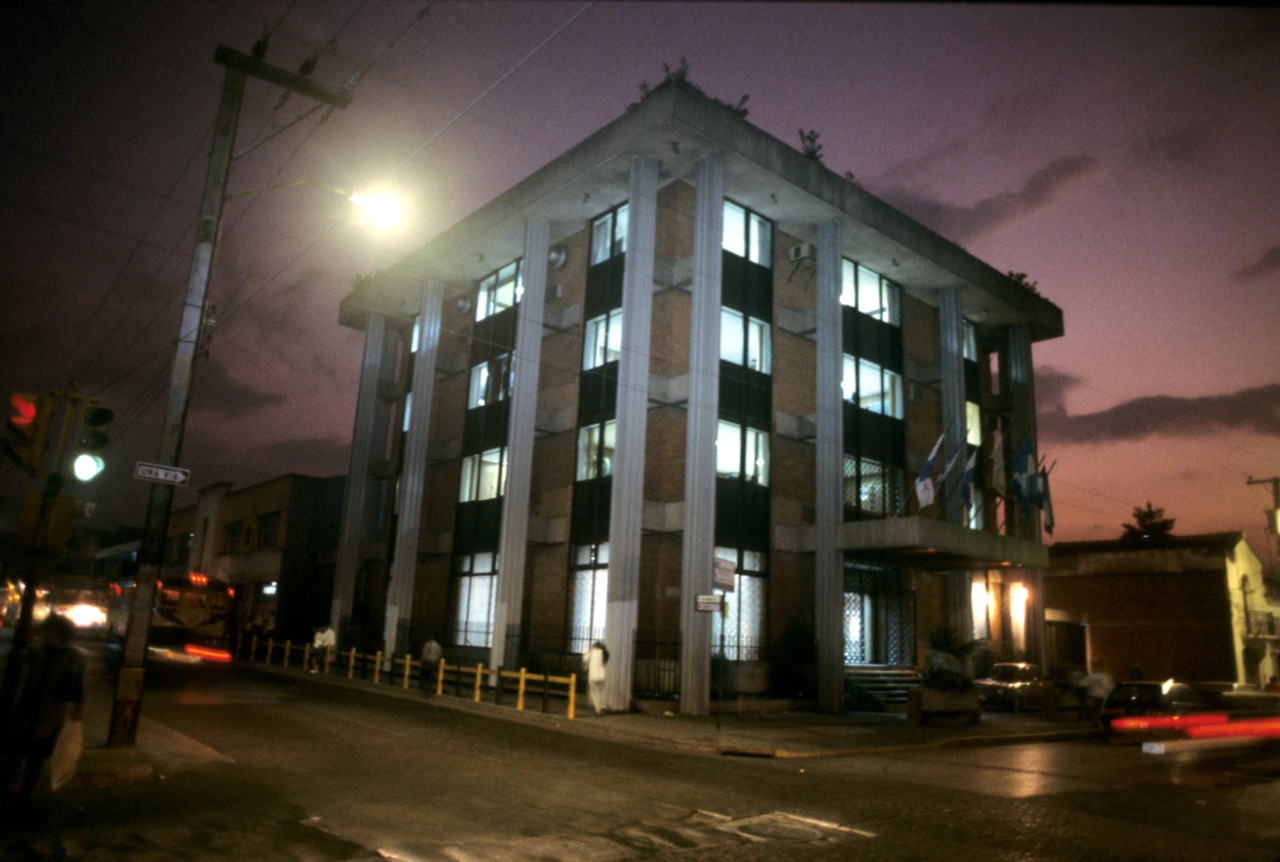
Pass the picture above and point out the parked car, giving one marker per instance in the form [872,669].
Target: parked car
[1012,685]
[1150,698]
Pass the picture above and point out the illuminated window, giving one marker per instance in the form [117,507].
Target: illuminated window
[595,450]
[609,235]
[748,235]
[484,476]
[742,452]
[981,611]
[869,292]
[475,593]
[745,340]
[743,627]
[499,290]
[491,381]
[872,387]
[970,334]
[602,340]
[973,423]
[589,592]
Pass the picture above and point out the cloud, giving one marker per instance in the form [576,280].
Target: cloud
[1268,263]
[1176,149]
[219,393]
[1256,409]
[913,168]
[963,224]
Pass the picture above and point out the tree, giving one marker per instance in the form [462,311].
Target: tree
[1148,523]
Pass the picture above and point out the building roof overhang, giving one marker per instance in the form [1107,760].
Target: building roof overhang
[925,543]
[677,125]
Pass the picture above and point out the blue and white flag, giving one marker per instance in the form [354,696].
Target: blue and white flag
[924,482]
[1024,480]
[966,486]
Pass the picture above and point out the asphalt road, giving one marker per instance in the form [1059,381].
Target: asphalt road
[297,771]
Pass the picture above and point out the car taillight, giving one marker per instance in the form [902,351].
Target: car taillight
[1167,722]
[1258,727]
[207,653]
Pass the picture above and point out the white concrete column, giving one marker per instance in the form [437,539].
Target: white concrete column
[1017,378]
[700,446]
[626,506]
[951,370]
[525,362]
[828,494]
[356,494]
[413,474]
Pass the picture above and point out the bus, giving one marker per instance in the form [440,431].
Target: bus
[189,620]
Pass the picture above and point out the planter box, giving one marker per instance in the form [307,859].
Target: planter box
[925,704]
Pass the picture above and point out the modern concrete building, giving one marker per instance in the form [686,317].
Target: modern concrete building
[1188,607]
[274,542]
[679,356]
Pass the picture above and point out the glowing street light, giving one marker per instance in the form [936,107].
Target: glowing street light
[381,209]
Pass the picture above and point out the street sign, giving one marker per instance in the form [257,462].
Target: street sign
[722,575]
[708,603]
[160,473]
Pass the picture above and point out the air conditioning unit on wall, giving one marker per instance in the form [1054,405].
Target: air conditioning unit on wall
[803,251]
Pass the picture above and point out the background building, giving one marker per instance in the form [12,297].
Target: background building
[685,349]
[1188,607]
[274,542]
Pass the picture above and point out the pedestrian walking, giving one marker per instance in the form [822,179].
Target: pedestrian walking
[431,655]
[325,641]
[50,692]
[595,661]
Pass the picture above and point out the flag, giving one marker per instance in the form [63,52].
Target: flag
[1046,503]
[1024,481]
[966,485]
[924,482]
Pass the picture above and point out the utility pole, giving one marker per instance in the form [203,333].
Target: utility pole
[1273,522]
[124,712]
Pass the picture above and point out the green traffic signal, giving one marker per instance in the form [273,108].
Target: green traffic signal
[93,439]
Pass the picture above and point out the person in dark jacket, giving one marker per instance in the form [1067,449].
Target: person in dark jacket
[50,690]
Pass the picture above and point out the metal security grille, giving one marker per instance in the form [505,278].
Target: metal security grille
[879,617]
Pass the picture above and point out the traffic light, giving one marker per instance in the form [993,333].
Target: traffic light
[91,440]
[28,430]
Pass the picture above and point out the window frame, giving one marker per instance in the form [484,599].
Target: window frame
[491,381]
[860,283]
[747,444]
[598,352]
[740,645]
[492,290]
[590,566]
[597,444]
[465,578]
[755,242]
[608,234]
[746,340]
[476,477]
[857,369]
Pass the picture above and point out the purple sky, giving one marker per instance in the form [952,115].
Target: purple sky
[1124,158]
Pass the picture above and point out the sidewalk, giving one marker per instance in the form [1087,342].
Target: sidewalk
[160,751]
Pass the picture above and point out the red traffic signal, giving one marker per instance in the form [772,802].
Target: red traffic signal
[28,430]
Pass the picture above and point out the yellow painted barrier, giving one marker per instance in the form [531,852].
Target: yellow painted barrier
[478,675]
